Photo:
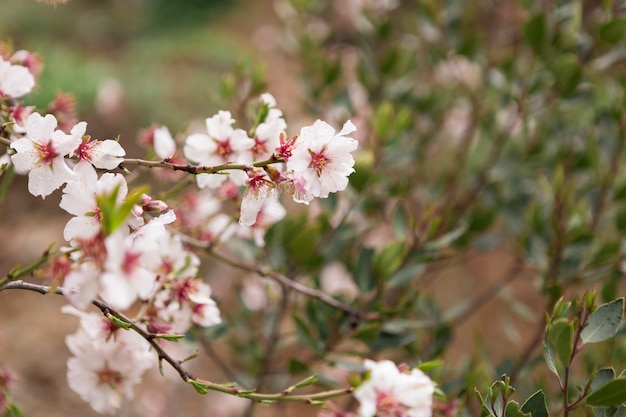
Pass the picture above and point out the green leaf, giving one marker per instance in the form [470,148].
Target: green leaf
[119,322]
[304,333]
[561,333]
[389,259]
[535,31]
[364,273]
[512,410]
[620,219]
[405,275]
[199,386]
[170,337]
[567,72]
[602,377]
[549,354]
[613,32]
[296,367]
[400,222]
[611,394]
[536,405]
[603,322]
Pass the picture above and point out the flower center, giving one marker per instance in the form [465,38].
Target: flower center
[259,149]
[319,160]
[131,260]
[85,149]
[224,150]
[47,153]
[388,406]
[110,377]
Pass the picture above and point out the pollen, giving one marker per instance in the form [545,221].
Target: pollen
[319,161]
[47,153]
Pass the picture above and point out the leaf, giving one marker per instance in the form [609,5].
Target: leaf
[567,72]
[405,275]
[400,222]
[620,219]
[297,367]
[603,322]
[603,376]
[535,32]
[512,410]
[611,394]
[304,333]
[613,32]
[200,387]
[389,259]
[549,354]
[364,274]
[561,333]
[536,405]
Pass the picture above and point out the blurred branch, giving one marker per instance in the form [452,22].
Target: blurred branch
[288,282]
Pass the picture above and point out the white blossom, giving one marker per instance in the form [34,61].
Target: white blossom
[390,392]
[322,160]
[15,80]
[42,154]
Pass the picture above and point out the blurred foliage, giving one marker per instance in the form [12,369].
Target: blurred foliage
[168,57]
[482,128]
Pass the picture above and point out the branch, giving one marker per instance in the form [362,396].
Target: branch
[198,169]
[292,284]
[202,386]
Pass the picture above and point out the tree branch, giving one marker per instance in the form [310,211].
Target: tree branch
[202,386]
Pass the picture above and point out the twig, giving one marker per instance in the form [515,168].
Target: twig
[199,384]
[296,286]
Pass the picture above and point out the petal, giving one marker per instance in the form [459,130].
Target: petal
[348,127]
[108,154]
[81,227]
[40,128]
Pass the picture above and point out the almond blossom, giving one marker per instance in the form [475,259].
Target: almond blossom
[164,144]
[107,362]
[103,154]
[391,392]
[321,160]
[80,199]
[15,80]
[42,154]
[221,145]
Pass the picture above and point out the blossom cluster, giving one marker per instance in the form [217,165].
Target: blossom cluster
[125,247]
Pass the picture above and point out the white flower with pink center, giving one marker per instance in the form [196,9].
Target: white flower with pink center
[391,392]
[42,154]
[79,199]
[267,134]
[126,277]
[321,160]
[106,363]
[184,301]
[103,154]
[221,145]
[15,80]
[259,188]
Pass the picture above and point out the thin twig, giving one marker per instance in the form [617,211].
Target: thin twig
[296,286]
[199,384]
